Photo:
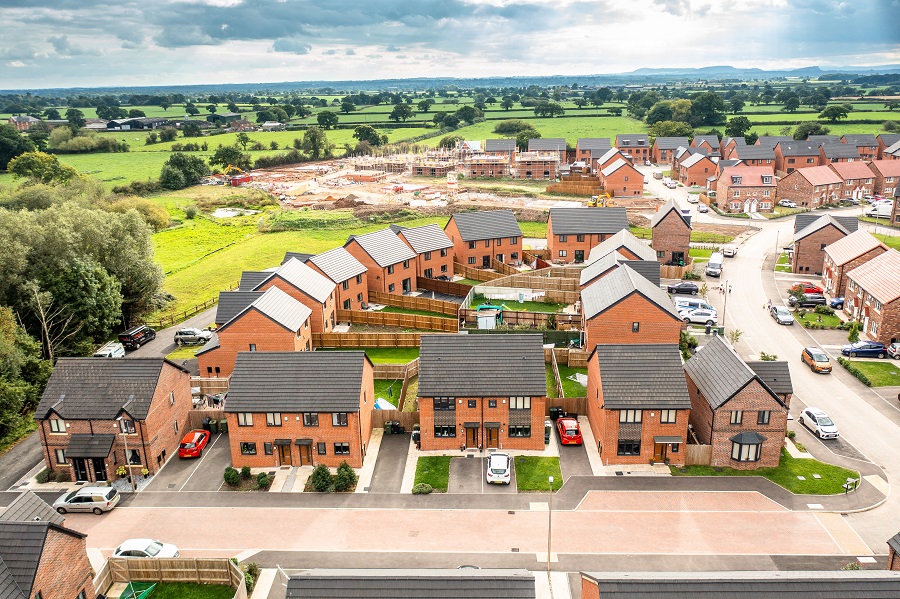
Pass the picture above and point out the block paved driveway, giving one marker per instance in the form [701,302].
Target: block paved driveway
[388,474]
[467,475]
[204,474]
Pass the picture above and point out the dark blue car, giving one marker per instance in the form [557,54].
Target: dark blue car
[837,303]
[865,349]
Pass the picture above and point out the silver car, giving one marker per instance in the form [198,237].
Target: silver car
[88,499]
[781,315]
[700,316]
[189,336]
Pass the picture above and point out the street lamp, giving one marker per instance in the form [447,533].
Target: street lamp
[725,308]
[549,526]
[121,420]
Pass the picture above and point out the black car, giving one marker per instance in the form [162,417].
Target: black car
[685,287]
[808,300]
[134,337]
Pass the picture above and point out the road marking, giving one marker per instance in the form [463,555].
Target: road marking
[843,534]
[203,457]
[879,483]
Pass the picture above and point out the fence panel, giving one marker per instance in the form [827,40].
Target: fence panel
[219,571]
[366,339]
[406,419]
[698,455]
[675,272]
[196,417]
[448,287]
[211,385]
[572,405]
[476,274]
[541,320]
[392,319]
[503,268]
[578,358]
[559,387]
[410,302]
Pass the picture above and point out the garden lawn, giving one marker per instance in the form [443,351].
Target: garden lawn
[190,590]
[889,240]
[434,471]
[783,264]
[700,255]
[551,381]
[382,355]
[828,320]
[471,282]
[518,306]
[786,474]
[532,229]
[185,352]
[381,390]
[881,373]
[399,310]
[569,127]
[572,388]
[533,472]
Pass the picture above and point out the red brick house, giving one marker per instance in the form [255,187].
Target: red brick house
[635,146]
[628,309]
[811,187]
[811,241]
[482,391]
[895,211]
[638,419]
[536,165]
[858,178]
[349,275]
[696,169]
[44,560]
[892,152]
[23,122]
[573,232]
[483,166]
[596,270]
[733,410]
[587,149]
[505,147]
[300,409]
[844,255]
[307,286]
[90,406]
[625,245]
[663,148]
[758,155]
[621,179]
[726,148]
[671,232]
[865,143]
[390,262]
[434,250]
[873,297]
[555,145]
[601,160]
[885,141]
[683,153]
[746,189]
[710,143]
[887,177]
[793,155]
[837,152]
[776,375]
[481,237]
[272,322]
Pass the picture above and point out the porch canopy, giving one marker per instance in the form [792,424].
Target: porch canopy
[664,439]
[491,425]
[303,441]
[282,441]
[748,438]
[90,446]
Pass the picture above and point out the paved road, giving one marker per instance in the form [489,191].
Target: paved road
[163,345]
[388,474]
[19,460]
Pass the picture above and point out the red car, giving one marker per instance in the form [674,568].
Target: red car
[569,431]
[806,288]
[192,444]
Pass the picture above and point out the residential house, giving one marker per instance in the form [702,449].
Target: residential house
[300,409]
[810,243]
[28,507]
[873,297]
[844,255]
[556,145]
[607,158]
[710,143]
[596,270]
[93,408]
[622,179]
[887,177]
[44,560]
[671,231]
[23,122]
[637,418]
[696,169]
[683,153]
[536,165]
[733,410]
[628,309]
[892,152]
[482,391]
[770,141]
[830,153]
[885,141]
[811,187]
[859,180]
[251,278]
[301,256]
[635,146]
[486,166]
[388,260]
[505,147]
[481,237]
[824,139]
[895,211]
[274,321]
[728,144]
[573,232]
[776,375]
[794,155]
[349,275]
[625,245]
[762,156]
[232,303]
[746,189]
[434,250]
[308,287]
[865,143]
[663,148]
[589,148]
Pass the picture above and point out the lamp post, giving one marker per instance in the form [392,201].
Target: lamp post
[121,420]
[549,526]
[725,307]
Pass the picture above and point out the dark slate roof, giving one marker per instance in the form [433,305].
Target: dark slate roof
[738,141]
[622,239]
[770,141]
[28,507]
[481,366]
[754,152]
[632,140]
[851,584]
[474,226]
[427,238]
[412,584]
[89,446]
[719,372]
[670,143]
[553,144]
[588,221]
[210,345]
[21,544]
[804,219]
[894,543]
[98,388]
[298,255]
[500,145]
[860,139]
[664,210]
[278,306]
[594,143]
[642,376]
[250,279]
[232,303]
[798,148]
[296,382]
[305,279]
[649,269]
[617,286]
[888,139]
[8,587]
[818,224]
[384,247]
[338,264]
[824,139]
[840,151]
[712,140]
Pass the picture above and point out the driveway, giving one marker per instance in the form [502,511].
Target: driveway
[388,474]
[204,474]
[573,460]
[467,476]
[163,345]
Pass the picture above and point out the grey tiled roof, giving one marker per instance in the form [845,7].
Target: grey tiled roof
[664,210]
[693,159]
[384,247]
[622,239]
[481,366]
[607,155]
[296,382]
[824,139]
[738,141]
[298,255]
[670,143]
[718,372]
[820,223]
[588,221]
[21,545]
[475,226]
[338,264]
[500,145]
[280,307]
[860,139]
[647,268]
[840,151]
[799,148]
[554,144]
[775,374]
[303,278]
[770,141]
[804,219]
[642,376]
[251,278]
[28,507]
[632,140]
[97,388]
[8,587]
[594,143]
[888,139]
[621,162]
[232,303]
[618,285]
[412,584]
[712,140]
[754,152]
[427,238]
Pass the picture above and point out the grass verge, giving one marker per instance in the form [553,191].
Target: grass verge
[811,320]
[533,472]
[878,374]
[435,471]
[25,428]
[783,264]
[190,590]
[185,352]
[700,255]
[382,355]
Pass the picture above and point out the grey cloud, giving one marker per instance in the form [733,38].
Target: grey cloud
[350,52]
[64,47]
[294,46]
[679,8]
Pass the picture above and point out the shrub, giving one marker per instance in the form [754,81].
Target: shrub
[791,435]
[320,479]
[139,188]
[853,336]
[190,211]
[63,476]
[43,477]
[825,310]
[346,478]
[422,489]
[800,447]
[767,357]
[855,371]
[691,276]
[232,477]
[245,472]
[262,480]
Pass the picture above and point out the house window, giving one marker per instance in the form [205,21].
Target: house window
[245,419]
[513,240]
[492,403]
[635,327]
[822,246]
[487,243]
[268,448]
[660,254]
[472,245]
[341,449]
[171,398]
[736,416]
[563,238]
[405,264]
[320,449]
[473,403]
[763,416]
[444,404]
[562,253]
[428,255]
[471,260]
[667,416]
[248,448]
[877,306]
[390,269]
[60,456]
[126,426]
[339,419]
[359,297]
[134,458]
[358,279]
[252,347]
[176,427]
[736,193]
[445,431]
[765,193]
[520,431]
[428,272]
[444,253]
[745,453]
[81,595]
[499,242]
[346,304]
[630,416]
[514,255]
[57,425]
[345,285]
[520,403]
[443,268]
[273,418]
[629,447]
[391,288]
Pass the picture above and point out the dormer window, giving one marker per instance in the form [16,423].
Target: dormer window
[735,180]
[767,180]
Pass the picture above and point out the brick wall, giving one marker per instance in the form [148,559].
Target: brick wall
[589,589]
[511,251]
[379,278]
[836,283]
[64,569]
[809,252]
[725,196]
[481,413]
[322,318]
[571,244]
[671,235]
[439,265]
[615,324]
[697,174]
[353,290]
[624,182]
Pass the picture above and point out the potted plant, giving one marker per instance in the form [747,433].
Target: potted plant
[122,472]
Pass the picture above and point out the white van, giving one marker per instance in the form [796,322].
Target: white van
[729,251]
[880,210]
[714,267]
[113,349]
[691,303]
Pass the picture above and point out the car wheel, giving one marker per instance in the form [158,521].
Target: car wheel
[687,320]
[137,346]
[710,323]
[694,292]
[800,420]
[880,355]
[97,511]
[61,510]
[179,342]
[819,434]
[203,341]
[200,454]
[897,356]
[853,354]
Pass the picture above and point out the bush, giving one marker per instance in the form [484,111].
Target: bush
[43,477]
[853,336]
[346,478]
[190,211]
[245,472]
[422,489]
[691,276]
[232,477]
[262,480]
[320,479]
[63,476]
[855,371]
[825,310]
[791,435]
[252,568]
[767,357]
[137,188]
[800,447]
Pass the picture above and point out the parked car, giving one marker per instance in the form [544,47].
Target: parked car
[865,349]
[893,350]
[145,548]
[193,443]
[851,201]
[113,349]
[816,359]
[787,204]
[691,303]
[569,431]
[807,300]
[499,468]
[683,287]
[88,499]
[837,303]
[190,336]
[671,184]
[703,208]
[693,198]
[707,317]
[730,250]
[137,336]
[819,423]
[781,315]
[657,175]
[806,287]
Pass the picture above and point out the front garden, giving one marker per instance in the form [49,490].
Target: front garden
[432,472]
[873,374]
[533,473]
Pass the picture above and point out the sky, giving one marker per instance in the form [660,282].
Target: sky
[91,43]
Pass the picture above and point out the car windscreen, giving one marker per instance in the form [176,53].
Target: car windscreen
[819,357]
[571,432]
[71,495]
[188,445]
[825,421]
[153,548]
[111,494]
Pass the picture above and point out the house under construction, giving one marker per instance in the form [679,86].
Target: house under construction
[482,166]
[536,165]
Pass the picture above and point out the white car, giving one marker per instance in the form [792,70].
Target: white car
[693,198]
[145,548]
[700,316]
[819,423]
[499,468]
[671,184]
[787,203]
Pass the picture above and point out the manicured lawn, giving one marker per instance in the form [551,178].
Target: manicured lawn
[786,475]
[700,255]
[185,352]
[811,317]
[382,355]
[551,381]
[435,471]
[471,282]
[479,300]
[190,590]
[707,237]
[533,472]
[881,374]
[570,387]
[381,390]
[892,241]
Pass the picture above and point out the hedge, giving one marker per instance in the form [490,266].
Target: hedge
[855,371]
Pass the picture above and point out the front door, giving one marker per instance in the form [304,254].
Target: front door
[79,465]
[485,262]
[407,286]
[284,454]
[500,258]
[305,455]
[493,437]
[99,469]
[579,256]
[659,452]
[678,258]
[471,437]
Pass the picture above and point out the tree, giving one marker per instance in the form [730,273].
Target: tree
[315,143]
[807,128]
[168,134]
[736,104]
[523,136]
[450,142]
[401,112]
[468,114]
[12,143]
[347,107]
[791,104]
[87,293]
[327,119]
[425,105]
[165,105]
[512,126]
[890,105]
[192,110]
[23,373]
[550,109]
[191,130]
[661,111]
[368,134]
[39,167]
[109,112]
[738,126]
[134,113]
[670,129]
[52,114]
[707,109]
[243,139]
[182,170]
[212,108]
[75,118]
[506,103]
[834,113]
[226,156]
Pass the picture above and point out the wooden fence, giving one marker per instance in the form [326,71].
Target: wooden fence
[675,272]
[502,268]
[697,455]
[396,371]
[572,405]
[213,570]
[410,302]
[366,339]
[560,392]
[573,358]
[392,319]
[210,386]
[532,255]
[468,272]
[196,416]
[537,320]
[447,287]
[406,419]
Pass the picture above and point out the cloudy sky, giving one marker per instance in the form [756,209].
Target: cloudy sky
[68,43]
